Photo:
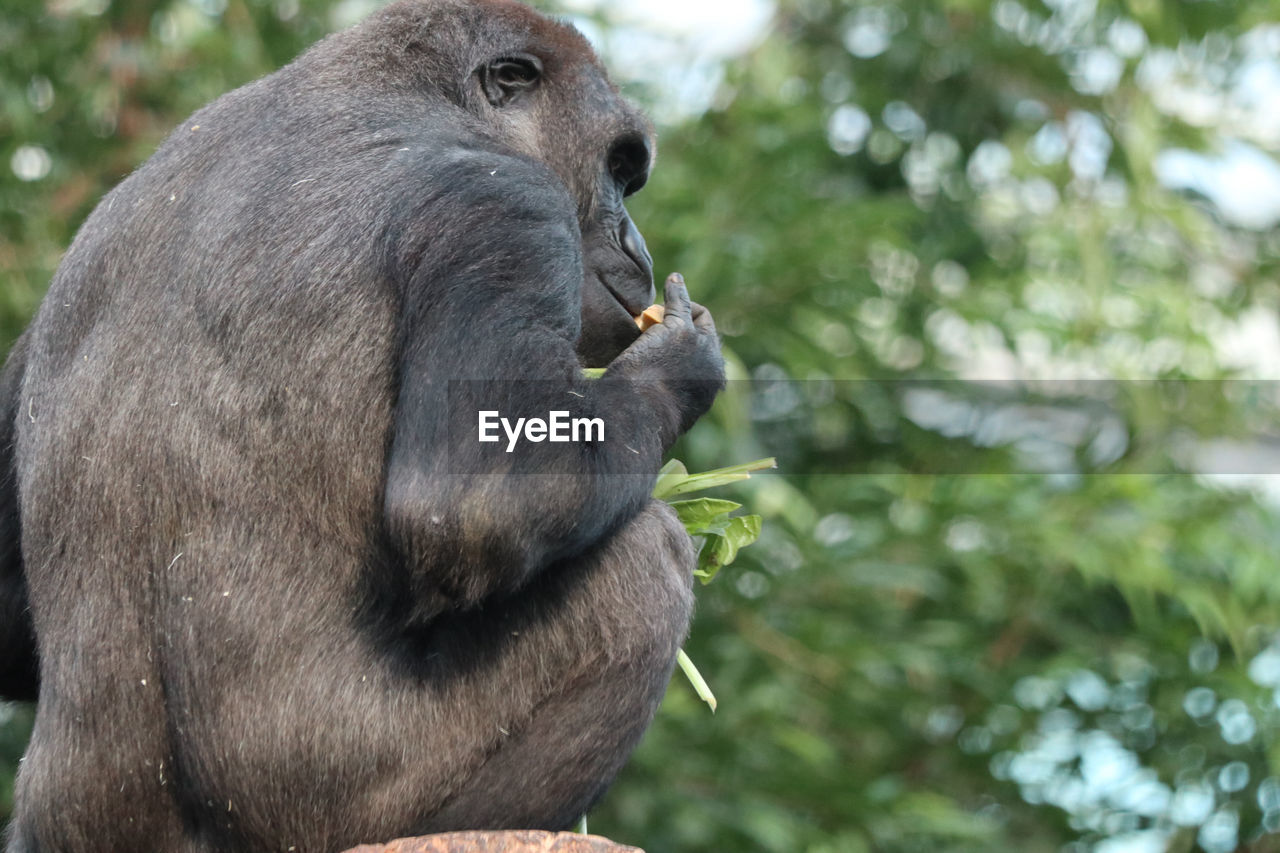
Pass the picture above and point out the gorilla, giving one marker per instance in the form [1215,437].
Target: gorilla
[270,589]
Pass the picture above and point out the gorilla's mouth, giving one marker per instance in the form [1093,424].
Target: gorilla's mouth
[629,279]
[632,303]
[616,263]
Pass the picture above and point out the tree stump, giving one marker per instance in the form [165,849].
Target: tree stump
[519,841]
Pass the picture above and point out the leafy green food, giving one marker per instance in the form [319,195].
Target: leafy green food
[700,685]
[719,533]
[722,544]
[674,479]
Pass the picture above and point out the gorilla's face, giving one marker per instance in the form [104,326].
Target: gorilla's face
[550,98]
[618,283]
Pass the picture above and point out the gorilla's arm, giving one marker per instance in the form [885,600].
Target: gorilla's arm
[18,678]
[489,280]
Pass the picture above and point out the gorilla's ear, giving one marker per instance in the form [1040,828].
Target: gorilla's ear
[508,77]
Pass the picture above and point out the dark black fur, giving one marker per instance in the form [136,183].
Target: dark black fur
[282,599]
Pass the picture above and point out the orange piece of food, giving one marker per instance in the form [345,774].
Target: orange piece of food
[650,316]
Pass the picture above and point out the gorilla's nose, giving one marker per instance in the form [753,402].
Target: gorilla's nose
[633,245]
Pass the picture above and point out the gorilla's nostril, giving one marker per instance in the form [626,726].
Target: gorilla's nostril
[633,245]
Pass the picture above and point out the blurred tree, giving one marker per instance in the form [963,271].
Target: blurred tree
[982,616]
[1002,661]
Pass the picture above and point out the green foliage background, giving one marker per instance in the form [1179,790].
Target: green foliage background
[989,659]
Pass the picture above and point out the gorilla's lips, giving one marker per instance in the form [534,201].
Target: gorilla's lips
[625,268]
[617,289]
[608,319]
[633,303]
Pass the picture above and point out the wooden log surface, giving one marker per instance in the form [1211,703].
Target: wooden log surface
[518,841]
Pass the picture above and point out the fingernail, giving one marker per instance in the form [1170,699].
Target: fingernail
[676,278]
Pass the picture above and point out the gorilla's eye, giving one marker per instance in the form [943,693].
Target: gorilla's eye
[506,78]
[629,163]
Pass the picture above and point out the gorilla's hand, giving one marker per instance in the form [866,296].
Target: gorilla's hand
[680,355]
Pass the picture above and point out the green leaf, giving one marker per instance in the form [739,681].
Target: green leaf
[671,484]
[700,513]
[742,531]
[593,372]
[722,543]
[669,475]
[695,678]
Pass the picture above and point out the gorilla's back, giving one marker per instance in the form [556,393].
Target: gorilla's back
[206,405]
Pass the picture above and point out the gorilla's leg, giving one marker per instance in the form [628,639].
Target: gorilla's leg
[604,659]
[516,714]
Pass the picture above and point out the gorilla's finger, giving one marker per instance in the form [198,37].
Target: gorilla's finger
[702,318]
[676,298]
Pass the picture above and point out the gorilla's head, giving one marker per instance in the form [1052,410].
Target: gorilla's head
[536,86]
